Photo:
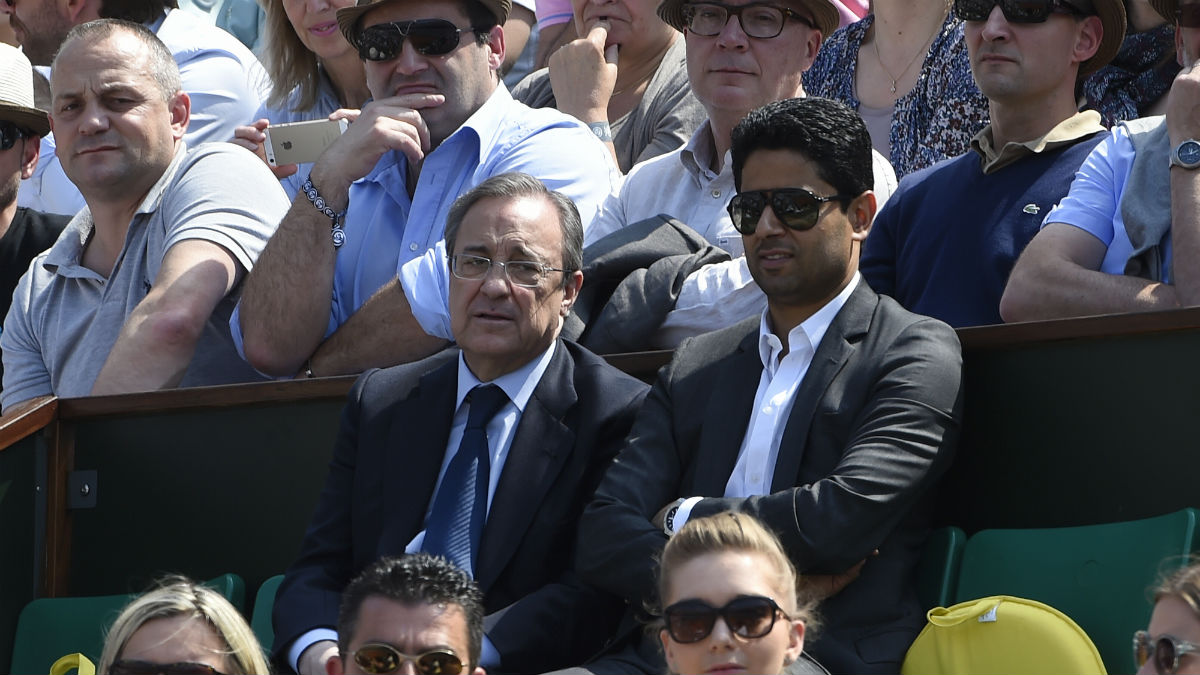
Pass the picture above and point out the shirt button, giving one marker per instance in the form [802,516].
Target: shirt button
[716,194]
[412,246]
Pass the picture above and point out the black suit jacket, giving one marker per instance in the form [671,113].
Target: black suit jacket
[874,423]
[393,438]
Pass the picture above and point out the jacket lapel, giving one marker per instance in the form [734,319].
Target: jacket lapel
[850,324]
[540,447]
[415,448]
[726,418]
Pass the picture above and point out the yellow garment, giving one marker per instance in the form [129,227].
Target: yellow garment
[1001,634]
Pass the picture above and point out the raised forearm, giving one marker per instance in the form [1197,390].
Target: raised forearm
[382,333]
[286,302]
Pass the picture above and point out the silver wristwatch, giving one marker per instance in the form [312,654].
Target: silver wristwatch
[1186,155]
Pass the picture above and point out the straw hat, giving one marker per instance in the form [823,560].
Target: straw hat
[348,17]
[1166,8]
[823,11]
[1112,17]
[16,92]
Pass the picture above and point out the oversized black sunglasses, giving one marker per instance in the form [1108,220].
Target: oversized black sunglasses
[379,658]
[430,37]
[10,133]
[1015,11]
[749,616]
[1165,652]
[796,208]
[133,667]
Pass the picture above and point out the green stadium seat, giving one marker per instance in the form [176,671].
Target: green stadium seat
[49,628]
[264,601]
[937,570]
[1098,575]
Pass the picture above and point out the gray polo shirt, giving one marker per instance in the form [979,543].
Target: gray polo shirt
[65,317]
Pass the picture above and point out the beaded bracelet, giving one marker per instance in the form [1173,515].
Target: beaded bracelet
[337,233]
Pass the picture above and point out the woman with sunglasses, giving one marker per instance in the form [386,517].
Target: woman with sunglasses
[730,599]
[1172,643]
[181,628]
[905,69]
[641,105]
[314,71]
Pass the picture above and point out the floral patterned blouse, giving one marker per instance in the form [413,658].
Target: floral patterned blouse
[934,121]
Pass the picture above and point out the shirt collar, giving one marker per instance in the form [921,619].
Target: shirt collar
[701,149]
[812,329]
[518,385]
[1066,132]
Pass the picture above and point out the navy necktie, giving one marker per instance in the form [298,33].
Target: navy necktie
[455,524]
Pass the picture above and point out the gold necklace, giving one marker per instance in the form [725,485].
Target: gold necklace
[924,48]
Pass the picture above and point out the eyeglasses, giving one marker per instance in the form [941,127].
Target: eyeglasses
[758,19]
[525,273]
[131,667]
[796,208]
[379,658]
[1188,15]
[430,37]
[1015,11]
[751,616]
[1165,651]
[10,133]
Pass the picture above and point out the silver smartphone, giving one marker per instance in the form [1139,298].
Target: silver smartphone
[300,142]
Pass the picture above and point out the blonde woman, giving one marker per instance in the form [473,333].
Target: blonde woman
[730,601]
[1172,643]
[185,625]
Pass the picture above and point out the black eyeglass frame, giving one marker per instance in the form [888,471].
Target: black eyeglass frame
[711,614]
[689,13]
[1041,10]
[1145,649]
[446,39]
[748,225]
[400,658]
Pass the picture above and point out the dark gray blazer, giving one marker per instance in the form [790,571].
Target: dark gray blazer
[393,438]
[873,425]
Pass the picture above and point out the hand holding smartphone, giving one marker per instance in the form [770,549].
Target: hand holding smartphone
[300,142]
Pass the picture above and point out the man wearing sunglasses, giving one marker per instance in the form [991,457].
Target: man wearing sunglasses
[24,233]
[417,609]
[136,294]
[326,298]
[1133,210]
[947,240]
[829,416]
[401,464]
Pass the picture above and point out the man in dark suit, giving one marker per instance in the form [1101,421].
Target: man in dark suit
[413,469]
[829,417]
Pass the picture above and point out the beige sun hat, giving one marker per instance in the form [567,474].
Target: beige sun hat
[347,17]
[16,92]
[823,11]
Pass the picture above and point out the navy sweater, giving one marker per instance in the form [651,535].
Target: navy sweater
[947,240]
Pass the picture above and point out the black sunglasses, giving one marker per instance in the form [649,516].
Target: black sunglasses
[1165,651]
[1015,11]
[132,667]
[379,658]
[796,208]
[1188,15]
[430,37]
[750,616]
[10,133]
